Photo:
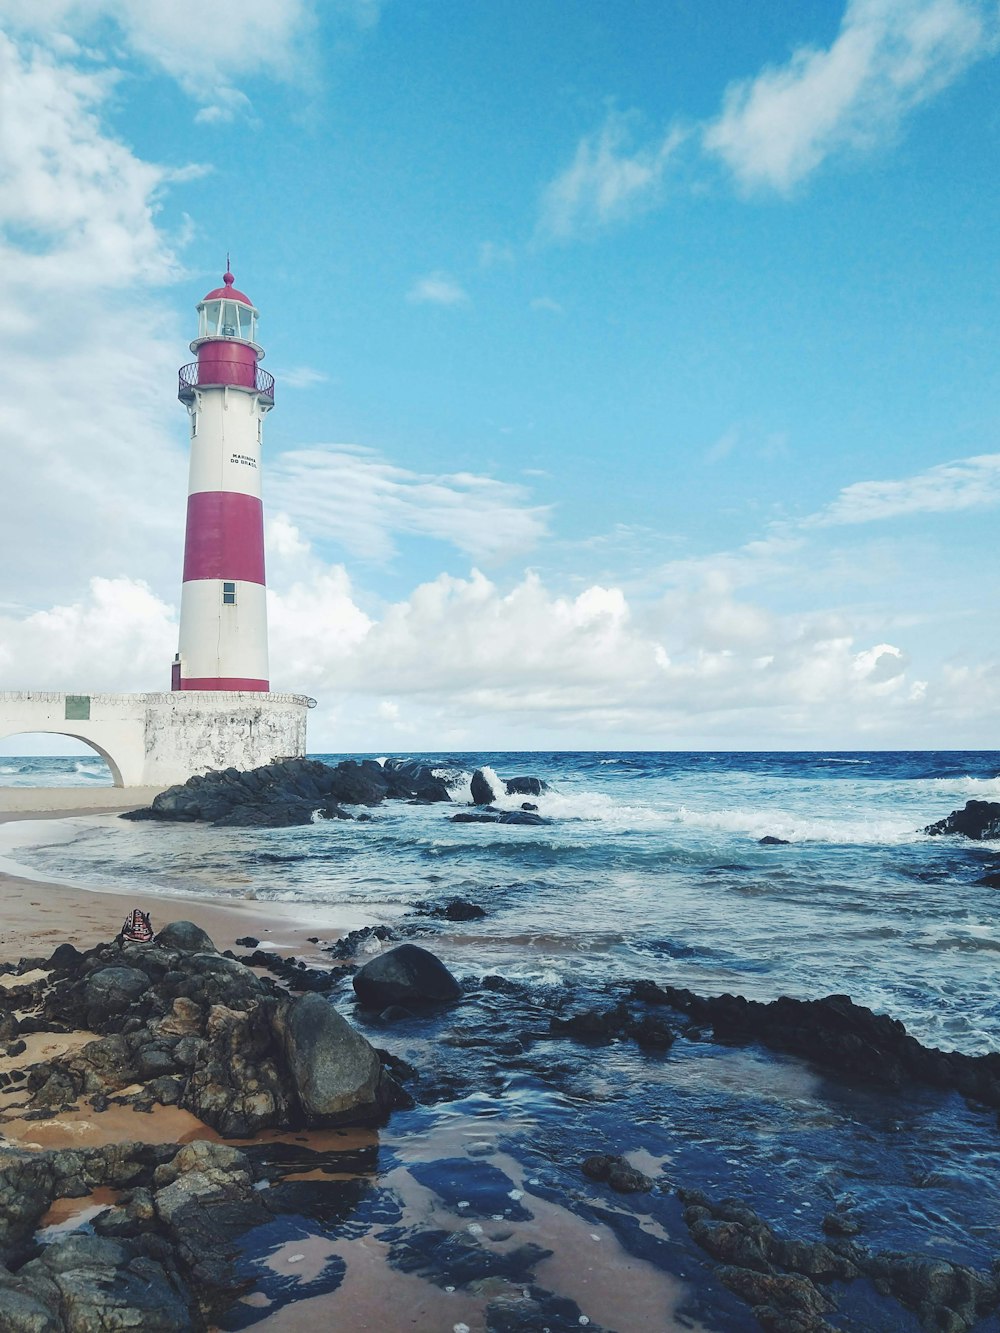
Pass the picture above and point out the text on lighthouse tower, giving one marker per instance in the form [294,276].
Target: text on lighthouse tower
[223,626]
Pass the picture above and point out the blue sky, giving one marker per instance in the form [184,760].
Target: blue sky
[637,366]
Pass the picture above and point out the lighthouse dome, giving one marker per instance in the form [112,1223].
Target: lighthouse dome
[228,292]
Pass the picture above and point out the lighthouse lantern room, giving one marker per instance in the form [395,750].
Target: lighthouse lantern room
[223,627]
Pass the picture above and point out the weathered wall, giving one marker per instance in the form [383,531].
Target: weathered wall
[158,739]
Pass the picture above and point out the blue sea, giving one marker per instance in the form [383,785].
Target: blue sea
[651,866]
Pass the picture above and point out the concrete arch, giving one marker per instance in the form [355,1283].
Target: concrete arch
[116,773]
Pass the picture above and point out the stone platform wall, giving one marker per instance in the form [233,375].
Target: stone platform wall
[153,740]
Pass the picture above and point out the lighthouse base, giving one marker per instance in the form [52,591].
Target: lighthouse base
[155,740]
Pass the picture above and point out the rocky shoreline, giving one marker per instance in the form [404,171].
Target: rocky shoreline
[177,1024]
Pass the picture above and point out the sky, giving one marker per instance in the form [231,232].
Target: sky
[637,365]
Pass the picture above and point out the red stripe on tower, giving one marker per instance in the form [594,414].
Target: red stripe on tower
[225,537]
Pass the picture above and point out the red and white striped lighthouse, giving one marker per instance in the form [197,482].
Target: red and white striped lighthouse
[223,629]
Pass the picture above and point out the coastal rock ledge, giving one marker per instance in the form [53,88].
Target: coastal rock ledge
[979,820]
[198,1030]
[293,791]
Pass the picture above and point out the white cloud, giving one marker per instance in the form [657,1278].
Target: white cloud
[352,497]
[94,460]
[888,57]
[438,289]
[968,483]
[81,202]
[207,48]
[118,637]
[300,377]
[607,181]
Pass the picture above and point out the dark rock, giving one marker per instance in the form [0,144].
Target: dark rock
[105,1284]
[251,941]
[404,975]
[185,935]
[769,840]
[482,789]
[619,1173]
[66,958]
[979,820]
[111,991]
[456,909]
[498,817]
[841,1224]
[525,786]
[336,1073]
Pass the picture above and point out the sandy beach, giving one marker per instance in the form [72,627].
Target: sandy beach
[39,914]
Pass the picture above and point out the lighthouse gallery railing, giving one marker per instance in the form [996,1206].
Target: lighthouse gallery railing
[187,379]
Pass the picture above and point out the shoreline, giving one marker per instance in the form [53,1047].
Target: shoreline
[40,913]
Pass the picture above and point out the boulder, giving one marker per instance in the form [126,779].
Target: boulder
[482,789]
[525,786]
[111,991]
[185,935]
[979,820]
[405,975]
[336,1073]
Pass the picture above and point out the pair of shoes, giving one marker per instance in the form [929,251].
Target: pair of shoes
[138,929]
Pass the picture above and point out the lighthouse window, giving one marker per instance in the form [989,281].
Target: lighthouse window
[229,594]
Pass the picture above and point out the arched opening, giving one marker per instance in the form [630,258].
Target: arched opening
[55,759]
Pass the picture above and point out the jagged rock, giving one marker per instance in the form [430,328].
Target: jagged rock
[979,820]
[525,786]
[105,1284]
[482,789]
[185,935]
[238,1084]
[405,975]
[336,1073]
[292,791]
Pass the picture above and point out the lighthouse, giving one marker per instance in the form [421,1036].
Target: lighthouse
[223,625]
[220,711]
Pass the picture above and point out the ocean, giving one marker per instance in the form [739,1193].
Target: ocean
[651,867]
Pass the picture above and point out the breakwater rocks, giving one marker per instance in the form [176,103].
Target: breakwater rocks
[979,820]
[292,792]
[297,791]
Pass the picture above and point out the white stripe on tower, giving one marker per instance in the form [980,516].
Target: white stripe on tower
[223,629]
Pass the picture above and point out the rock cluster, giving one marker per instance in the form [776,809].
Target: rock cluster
[162,1258]
[198,1030]
[293,791]
[838,1034]
[783,1280]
